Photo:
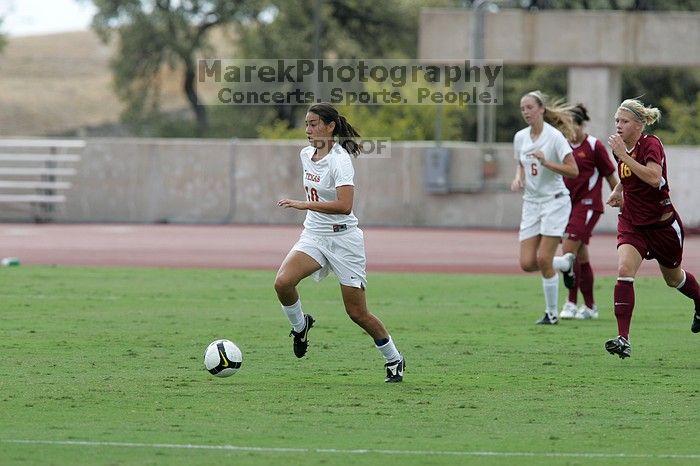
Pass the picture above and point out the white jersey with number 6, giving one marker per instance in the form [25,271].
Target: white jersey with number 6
[320,182]
[541,183]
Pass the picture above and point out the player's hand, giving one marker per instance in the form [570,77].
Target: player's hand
[287,203]
[539,155]
[615,199]
[617,145]
[516,185]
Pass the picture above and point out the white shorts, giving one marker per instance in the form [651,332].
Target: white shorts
[344,254]
[546,218]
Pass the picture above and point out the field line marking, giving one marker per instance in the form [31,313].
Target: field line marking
[88,443]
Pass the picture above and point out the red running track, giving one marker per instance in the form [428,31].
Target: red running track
[264,247]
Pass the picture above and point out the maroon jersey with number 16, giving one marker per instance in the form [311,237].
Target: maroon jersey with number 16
[644,204]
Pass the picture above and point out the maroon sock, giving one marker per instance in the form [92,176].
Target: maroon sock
[691,289]
[585,280]
[573,292]
[624,305]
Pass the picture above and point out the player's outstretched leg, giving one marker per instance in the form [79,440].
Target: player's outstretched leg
[356,308]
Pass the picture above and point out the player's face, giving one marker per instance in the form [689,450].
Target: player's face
[317,132]
[531,110]
[627,126]
[578,132]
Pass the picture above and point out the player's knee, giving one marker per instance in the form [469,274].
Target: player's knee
[624,271]
[543,263]
[356,313]
[529,266]
[283,283]
[673,282]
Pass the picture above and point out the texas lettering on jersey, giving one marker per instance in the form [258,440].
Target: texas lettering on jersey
[312,177]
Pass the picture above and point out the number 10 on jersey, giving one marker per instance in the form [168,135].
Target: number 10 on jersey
[311,194]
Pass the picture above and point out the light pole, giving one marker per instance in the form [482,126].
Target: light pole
[485,124]
[316,46]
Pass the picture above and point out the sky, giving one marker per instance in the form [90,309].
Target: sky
[33,17]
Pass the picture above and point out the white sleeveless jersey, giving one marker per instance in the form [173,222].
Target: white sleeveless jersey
[540,182]
[320,180]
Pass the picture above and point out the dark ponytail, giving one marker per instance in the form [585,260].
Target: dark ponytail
[579,113]
[343,130]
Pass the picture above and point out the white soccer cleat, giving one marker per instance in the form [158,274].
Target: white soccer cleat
[569,275]
[568,311]
[587,313]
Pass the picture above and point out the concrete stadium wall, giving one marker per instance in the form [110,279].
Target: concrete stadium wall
[565,37]
[240,181]
[593,45]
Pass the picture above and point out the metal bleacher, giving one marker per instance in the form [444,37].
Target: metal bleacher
[34,174]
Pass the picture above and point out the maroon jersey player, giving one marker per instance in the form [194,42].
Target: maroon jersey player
[594,165]
[648,225]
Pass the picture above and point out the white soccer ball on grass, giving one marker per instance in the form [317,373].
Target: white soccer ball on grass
[222,358]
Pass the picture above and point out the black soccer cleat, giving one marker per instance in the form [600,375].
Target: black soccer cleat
[394,370]
[695,327]
[619,346]
[569,276]
[301,343]
[548,320]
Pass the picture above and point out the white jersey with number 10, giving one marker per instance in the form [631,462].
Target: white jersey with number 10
[320,182]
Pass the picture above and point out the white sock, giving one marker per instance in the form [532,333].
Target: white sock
[389,351]
[551,294]
[295,316]
[561,263]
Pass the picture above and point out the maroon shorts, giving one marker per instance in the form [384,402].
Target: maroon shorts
[663,241]
[581,223]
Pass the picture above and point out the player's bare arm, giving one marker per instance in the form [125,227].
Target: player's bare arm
[612,181]
[615,199]
[342,205]
[517,184]
[649,173]
[568,168]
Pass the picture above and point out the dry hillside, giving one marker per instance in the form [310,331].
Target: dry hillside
[52,84]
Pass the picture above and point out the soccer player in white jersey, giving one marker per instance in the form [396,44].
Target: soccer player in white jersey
[544,158]
[331,239]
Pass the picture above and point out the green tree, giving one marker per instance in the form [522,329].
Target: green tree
[348,29]
[673,91]
[395,122]
[157,33]
[685,122]
[517,81]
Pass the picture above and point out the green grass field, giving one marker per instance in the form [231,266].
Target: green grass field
[104,366]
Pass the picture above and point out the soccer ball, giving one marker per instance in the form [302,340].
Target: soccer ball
[222,358]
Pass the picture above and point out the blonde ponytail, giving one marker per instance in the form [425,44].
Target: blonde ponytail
[644,115]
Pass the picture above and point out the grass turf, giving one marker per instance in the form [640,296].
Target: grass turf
[113,357]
